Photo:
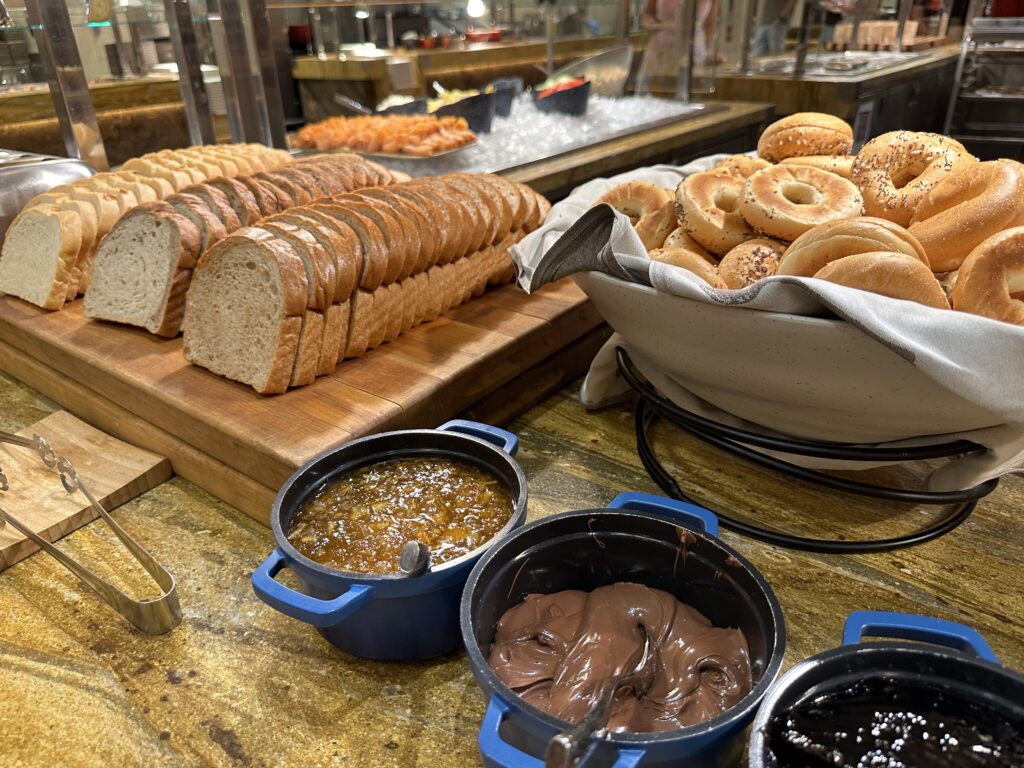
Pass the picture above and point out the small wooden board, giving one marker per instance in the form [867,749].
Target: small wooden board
[114,471]
[242,446]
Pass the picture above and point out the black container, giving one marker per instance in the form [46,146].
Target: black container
[388,617]
[637,539]
[571,101]
[955,659]
[477,110]
[506,89]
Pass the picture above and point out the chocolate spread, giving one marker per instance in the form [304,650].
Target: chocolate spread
[557,651]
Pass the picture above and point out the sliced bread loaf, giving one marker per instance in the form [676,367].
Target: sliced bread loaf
[39,254]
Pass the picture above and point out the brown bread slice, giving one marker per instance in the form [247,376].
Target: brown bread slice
[395,312]
[328,182]
[506,193]
[211,229]
[336,320]
[218,203]
[245,309]
[265,195]
[307,181]
[489,207]
[441,217]
[296,192]
[284,198]
[370,238]
[420,231]
[530,209]
[143,268]
[339,241]
[320,271]
[38,256]
[463,222]
[241,199]
[383,305]
[395,243]
[359,324]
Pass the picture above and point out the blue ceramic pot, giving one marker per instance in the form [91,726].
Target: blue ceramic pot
[956,659]
[387,617]
[637,539]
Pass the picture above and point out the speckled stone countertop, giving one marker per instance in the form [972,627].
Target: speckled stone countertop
[238,684]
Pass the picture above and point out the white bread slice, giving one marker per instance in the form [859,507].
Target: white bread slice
[143,166]
[143,268]
[39,253]
[245,308]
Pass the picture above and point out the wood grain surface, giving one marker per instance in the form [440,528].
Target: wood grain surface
[113,471]
[242,445]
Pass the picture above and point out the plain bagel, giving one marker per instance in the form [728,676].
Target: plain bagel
[837,239]
[749,262]
[690,261]
[678,238]
[784,201]
[805,133]
[967,207]
[991,280]
[887,274]
[649,208]
[840,165]
[707,206]
[894,171]
[740,165]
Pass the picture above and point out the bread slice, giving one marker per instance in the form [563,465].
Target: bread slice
[143,268]
[307,355]
[370,238]
[320,272]
[177,178]
[398,258]
[218,204]
[338,241]
[294,194]
[266,197]
[244,311]
[241,199]
[336,323]
[361,318]
[383,305]
[39,253]
[395,312]
[419,229]
[211,229]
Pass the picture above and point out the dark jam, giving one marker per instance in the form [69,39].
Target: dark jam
[881,723]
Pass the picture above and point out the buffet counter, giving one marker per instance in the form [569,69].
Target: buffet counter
[240,684]
[469,65]
[909,95]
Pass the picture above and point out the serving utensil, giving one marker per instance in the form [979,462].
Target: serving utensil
[566,749]
[415,559]
[155,616]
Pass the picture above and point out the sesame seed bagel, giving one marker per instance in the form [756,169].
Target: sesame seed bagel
[991,280]
[740,165]
[895,275]
[805,133]
[784,201]
[707,206]
[894,171]
[749,262]
[690,261]
[967,207]
[826,243]
[649,208]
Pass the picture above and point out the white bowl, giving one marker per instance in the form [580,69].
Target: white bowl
[808,377]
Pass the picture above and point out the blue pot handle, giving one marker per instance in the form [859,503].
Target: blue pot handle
[908,626]
[312,610]
[507,441]
[499,752]
[690,514]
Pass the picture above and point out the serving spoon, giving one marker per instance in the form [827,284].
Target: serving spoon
[566,749]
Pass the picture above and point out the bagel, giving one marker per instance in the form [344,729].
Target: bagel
[837,239]
[707,208]
[678,238]
[840,165]
[740,165]
[749,262]
[805,133]
[967,207]
[895,170]
[784,201]
[649,208]
[690,261]
[991,280]
[887,274]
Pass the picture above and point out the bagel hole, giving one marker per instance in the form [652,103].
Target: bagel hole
[726,199]
[799,193]
[1015,284]
[908,173]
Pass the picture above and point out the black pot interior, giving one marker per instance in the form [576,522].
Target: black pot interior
[333,465]
[967,681]
[588,550]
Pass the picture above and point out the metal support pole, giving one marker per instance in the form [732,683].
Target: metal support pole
[270,88]
[686,21]
[190,73]
[748,13]
[622,22]
[550,22]
[389,28]
[801,42]
[68,87]
[318,33]
[901,25]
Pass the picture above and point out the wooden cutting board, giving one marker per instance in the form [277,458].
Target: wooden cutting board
[495,355]
[114,471]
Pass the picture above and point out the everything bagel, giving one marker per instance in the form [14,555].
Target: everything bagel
[784,201]
[707,208]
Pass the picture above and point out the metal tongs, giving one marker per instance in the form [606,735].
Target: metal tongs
[154,617]
[567,748]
